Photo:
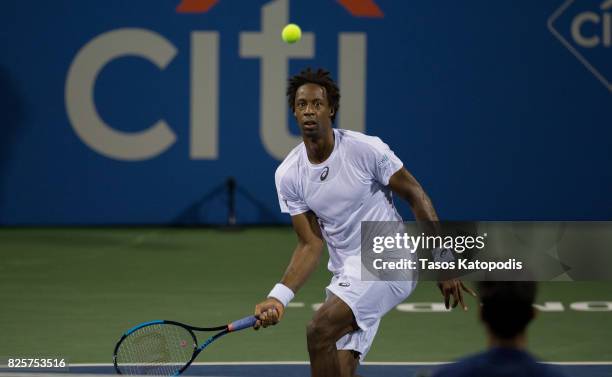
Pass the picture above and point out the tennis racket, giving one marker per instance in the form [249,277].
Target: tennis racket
[165,348]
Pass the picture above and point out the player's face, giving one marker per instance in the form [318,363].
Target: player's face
[312,110]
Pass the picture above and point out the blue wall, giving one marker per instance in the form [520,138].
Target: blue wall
[496,107]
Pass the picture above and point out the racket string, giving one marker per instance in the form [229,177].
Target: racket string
[160,349]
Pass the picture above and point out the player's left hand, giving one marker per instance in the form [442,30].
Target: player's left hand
[454,288]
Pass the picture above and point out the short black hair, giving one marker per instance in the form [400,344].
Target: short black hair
[320,77]
[507,306]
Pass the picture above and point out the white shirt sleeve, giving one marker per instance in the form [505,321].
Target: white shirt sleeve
[380,160]
[288,198]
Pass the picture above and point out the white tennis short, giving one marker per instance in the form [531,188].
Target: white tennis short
[369,301]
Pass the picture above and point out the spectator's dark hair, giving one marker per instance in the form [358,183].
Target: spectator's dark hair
[320,77]
[507,306]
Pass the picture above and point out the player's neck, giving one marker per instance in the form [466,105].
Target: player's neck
[518,342]
[319,149]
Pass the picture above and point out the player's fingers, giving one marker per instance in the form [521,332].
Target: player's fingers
[447,298]
[274,316]
[268,318]
[455,295]
[271,316]
[468,289]
[258,315]
[463,305]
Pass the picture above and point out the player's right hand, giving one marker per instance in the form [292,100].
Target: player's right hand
[269,312]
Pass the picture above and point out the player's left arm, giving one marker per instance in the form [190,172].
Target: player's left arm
[408,188]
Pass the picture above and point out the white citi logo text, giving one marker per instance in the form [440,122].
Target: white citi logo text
[586,31]
[265,45]
[601,23]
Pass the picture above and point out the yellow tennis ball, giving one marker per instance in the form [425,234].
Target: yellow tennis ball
[291,33]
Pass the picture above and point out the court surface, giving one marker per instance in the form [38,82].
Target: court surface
[72,292]
[301,369]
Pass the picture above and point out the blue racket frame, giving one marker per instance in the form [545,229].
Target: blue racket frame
[240,324]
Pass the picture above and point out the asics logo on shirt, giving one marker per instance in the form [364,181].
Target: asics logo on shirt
[384,159]
[344,284]
[324,173]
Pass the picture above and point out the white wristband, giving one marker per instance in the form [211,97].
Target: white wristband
[282,293]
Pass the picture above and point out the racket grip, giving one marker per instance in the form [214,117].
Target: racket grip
[243,323]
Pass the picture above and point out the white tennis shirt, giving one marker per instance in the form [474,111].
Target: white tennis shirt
[347,188]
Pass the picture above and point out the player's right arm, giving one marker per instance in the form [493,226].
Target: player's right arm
[304,261]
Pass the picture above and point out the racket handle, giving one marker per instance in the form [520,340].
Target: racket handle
[243,323]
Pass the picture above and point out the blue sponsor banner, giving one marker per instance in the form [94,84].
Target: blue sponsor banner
[138,112]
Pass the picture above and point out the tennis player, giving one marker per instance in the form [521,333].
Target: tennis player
[329,184]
